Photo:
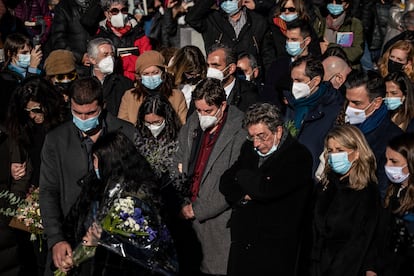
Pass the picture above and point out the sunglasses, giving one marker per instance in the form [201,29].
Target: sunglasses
[291,9]
[36,109]
[69,76]
[115,11]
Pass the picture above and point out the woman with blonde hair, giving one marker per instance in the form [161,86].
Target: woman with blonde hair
[347,207]
[398,57]
[400,100]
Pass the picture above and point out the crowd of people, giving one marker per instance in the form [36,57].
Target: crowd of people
[286,149]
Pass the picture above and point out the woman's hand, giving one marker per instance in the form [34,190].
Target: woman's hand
[35,56]
[18,170]
[370,273]
[93,235]
[187,211]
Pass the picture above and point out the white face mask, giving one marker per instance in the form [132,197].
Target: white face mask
[155,130]
[356,116]
[215,73]
[118,21]
[395,174]
[300,90]
[106,65]
[207,121]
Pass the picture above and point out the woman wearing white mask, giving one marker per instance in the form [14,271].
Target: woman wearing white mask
[157,120]
[125,32]
[151,78]
[399,202]
[400,100]
[273,174]
[347,207]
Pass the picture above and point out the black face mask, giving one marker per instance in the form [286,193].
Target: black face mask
[192,80]
[394,66]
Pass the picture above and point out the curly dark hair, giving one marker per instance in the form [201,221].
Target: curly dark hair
[159,105]
[39,90]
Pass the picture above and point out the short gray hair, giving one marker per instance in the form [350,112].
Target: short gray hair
[264,113]
[95,43]
[106,4]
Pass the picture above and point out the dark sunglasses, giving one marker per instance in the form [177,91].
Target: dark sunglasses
[115,11]
[70,76]
[36,109]
[291,9]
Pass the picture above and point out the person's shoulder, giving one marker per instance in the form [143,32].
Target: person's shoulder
[63,130]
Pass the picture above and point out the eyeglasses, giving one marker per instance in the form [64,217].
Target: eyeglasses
[115,11]
[69,76]
[291,9]
[155,123]
[36,109]
[261,137]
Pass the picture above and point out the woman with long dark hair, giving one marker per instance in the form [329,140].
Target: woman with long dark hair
[400,100]
[399,202]
[35,108]
[157,119]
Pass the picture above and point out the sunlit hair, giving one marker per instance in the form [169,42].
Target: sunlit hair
[363,168]
[403,115]
[12,45]
[299,6]
[38,90]
[159,105]
[404,45]
[188,59]
[404,145]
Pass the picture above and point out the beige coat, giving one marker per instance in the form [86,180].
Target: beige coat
[128,110]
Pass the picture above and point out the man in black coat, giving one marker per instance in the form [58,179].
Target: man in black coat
[269,188]
[236,26]
[66,158]
[222,65]
[101,55]
[74,22]
[366,110]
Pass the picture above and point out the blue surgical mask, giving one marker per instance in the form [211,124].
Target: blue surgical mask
[85,125]
[230,7]
[288,17]
[98,175]
[339,162]
[151,82]
[335,9]
[393,103]
[23,60]
[293,48]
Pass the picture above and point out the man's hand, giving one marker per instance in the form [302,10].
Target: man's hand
[85,60]
[35,56]
[62,255]
[18,170]
[187,212]
[92,236]
[250,4]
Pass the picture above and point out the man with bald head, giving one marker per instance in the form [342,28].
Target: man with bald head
[336,70]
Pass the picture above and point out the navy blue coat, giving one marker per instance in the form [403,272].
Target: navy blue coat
[318,121]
